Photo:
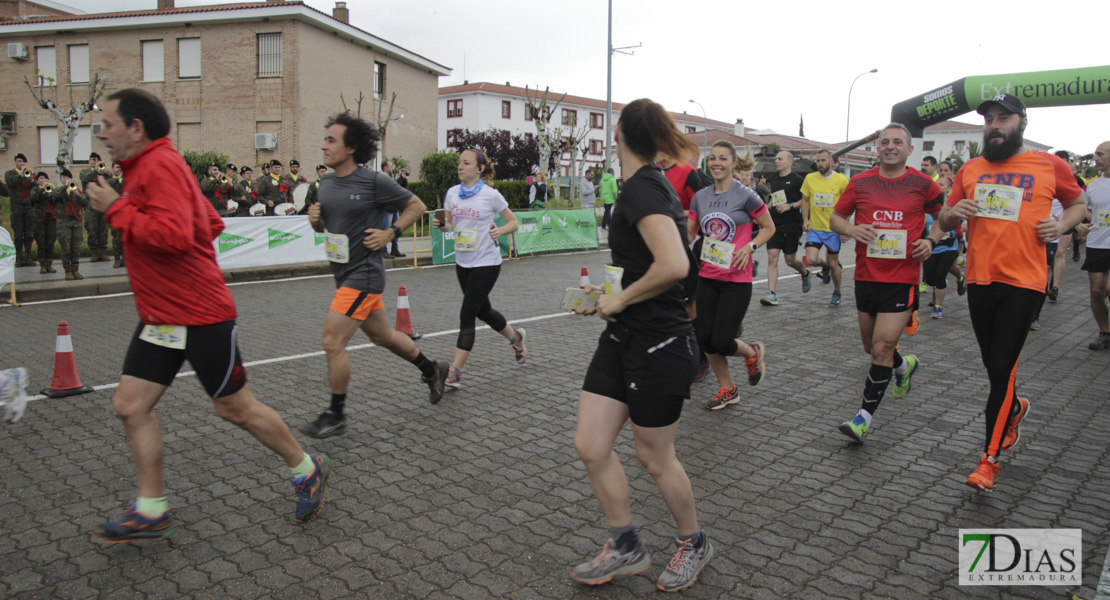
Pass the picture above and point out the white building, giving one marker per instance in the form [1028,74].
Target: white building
[948,138]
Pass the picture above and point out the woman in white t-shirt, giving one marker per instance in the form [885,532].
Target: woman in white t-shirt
[469,210]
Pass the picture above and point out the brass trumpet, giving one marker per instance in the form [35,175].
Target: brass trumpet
[28,173]
[48,188]
[72,187]
[224,179]
[101,166]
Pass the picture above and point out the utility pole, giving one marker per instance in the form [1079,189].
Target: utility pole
[609,88]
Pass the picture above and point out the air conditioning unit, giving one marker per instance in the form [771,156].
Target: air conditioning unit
[265,141]
[96,128]
[17,50]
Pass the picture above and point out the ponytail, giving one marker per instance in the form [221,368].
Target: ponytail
[648,130]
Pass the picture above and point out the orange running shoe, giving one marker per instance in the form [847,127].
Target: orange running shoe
[985,474]
[911,327]
[1013,428]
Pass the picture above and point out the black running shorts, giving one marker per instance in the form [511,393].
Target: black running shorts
[873,297]
[1097,261]
[212,350]
[786,238]
[649,372]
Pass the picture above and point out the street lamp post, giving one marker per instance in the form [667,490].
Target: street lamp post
[609,88]
[848,119]
[704,116]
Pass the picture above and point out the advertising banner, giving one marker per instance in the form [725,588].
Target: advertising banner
[1064,87]
[7,258]
[540,231]
[261,241]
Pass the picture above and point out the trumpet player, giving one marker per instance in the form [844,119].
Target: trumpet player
[45,221]
[70,205]
[116,181]
[20,181]
[217,188]
[95,224]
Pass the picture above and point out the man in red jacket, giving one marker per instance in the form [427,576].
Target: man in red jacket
[185,309]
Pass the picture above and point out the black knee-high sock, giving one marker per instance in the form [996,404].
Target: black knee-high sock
[338,402]
[427,367]
[875,386]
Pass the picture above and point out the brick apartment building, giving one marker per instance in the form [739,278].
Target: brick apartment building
[225,73]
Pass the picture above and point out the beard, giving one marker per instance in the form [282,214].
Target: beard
[1008,147]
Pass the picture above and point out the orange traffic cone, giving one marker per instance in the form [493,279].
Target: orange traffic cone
[585,281]
[404,319]
[66,382]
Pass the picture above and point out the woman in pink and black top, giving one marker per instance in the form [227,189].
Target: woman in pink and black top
[724,214]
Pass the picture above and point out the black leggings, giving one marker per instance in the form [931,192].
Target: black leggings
[1000,315]
[936,268]
[476,284]
[721,309]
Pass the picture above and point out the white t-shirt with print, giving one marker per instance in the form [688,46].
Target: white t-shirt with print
[472,217]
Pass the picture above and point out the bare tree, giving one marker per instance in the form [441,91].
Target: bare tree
[541,116]
[70,120]
[382,124]
[577,136]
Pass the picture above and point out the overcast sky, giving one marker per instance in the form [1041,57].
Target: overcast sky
[759,61]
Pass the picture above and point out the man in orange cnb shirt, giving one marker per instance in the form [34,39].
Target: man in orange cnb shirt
[1006,197]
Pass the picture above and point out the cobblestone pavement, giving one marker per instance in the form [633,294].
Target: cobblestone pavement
[483,495]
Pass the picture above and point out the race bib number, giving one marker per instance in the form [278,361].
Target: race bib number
[778,198]
[466,240]
[716,253]
[337,248]
[891,243]
[613,276]
[168,336]
[579,299]
[1102,219]
[823,200]
[998,201]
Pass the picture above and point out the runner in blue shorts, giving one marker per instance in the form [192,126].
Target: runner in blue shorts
[820,193]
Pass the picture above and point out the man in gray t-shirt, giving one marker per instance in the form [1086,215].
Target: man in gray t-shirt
[353,202]
[587,189]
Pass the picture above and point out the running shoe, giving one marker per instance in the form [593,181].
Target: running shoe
[922,287]
[611,563]
[310,489]
[755,268]
[826,274]
[687,562]
[807,282]
[1053,293]
[771,299]
[911,327]
[518,347]
[1035,325]
[757,366]
[1102,342]
[835,302]
[724,397]
[902,382]
[1013,428]
[1075,255]
[134,526]
[961,286]
[454,376]
[984,476]
[855,429]
[13,391]
[938,313]
[437,382]
[961,261]
[703,369]
[326,425]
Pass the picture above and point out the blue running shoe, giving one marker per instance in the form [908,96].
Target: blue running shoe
[826,274]
[310,489]
[134,526]
[902,382]
[855,429]
[835,302]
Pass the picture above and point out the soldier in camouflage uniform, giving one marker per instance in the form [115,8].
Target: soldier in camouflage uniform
[45,222]
[218,189]
[95,223]
[294,178]
[272,188]
[70,205]
[116,181]
[311,198]
[23,229]
[248,192]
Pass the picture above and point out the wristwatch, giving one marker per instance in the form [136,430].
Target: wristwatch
[755,247]
[396,231]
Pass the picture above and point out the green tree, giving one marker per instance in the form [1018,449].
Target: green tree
[399,163]
[199,161]
[440,171]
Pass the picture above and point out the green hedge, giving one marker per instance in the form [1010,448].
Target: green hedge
[514,191]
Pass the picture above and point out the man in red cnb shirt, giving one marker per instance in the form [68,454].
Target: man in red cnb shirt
[185,309]
[890,202]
